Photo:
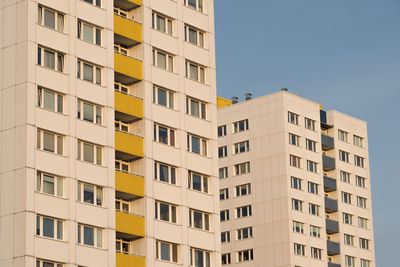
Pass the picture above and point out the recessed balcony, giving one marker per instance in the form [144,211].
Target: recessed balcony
[331,264]
[128,146]
[129,226]
[327,142]
[330,205]
[329,184]
[332,227]
[127,69]
[332,247]
[127,32]
[128,260]
[129,186]
[328,163]
[129,107]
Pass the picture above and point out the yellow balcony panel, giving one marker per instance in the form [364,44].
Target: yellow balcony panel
[127,70]
[127,146]
[129,226]
[129,29]
[128,260]
[130,105]
[130,186]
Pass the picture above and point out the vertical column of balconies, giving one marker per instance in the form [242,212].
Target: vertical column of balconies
[331,196]
[129,150]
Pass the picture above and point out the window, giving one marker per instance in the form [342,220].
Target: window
[345,176]
[348,240]
[315,231]
[163,60]
[90,152]
[50,59]
[199,220]
[294,139]
[221,130]
[316,253]
[299,249]
[245,255]
[298,227]
[242,168]
[361,202]
[90,236]
[223,172]
[313,209]
[364,243]
[226,258]
[295,182]
[311,166]
[196,108]
[297,204]
[88,72]
[49,184]
[194,36]
[225,237]
[198,182]
[358,141]
[121,49]
[222,152]
[360,181]
[349,261]
[347,218]
[123,13]
[197,144]
[50,142]
[200,258]
[293,118]
[195,72]
[49,227]
[241,126]
[94,2]
[166,251]
[50,18]
[195,4]
[121,126]
[46,263]
[313,188]
[241,147]
[90,194]
[164,173]
[122,205]
[311,145]
[365,263]
[244,233]
[224,215]
[89,112]
[50,100]
[344,156]
[243,190]
[224,194]
[165,212]
[346,197]
[161,23]
[309,124]
[164,135]
[122,246]
[163,97]
[121,87]
[243,211]
[343,136]
[359,161]
[89,32]
[294,161]
[362,223]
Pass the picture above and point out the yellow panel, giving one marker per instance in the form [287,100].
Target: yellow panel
[137,2]
[130,224]
[126,260]
[128,66]
[222,102]
[128,28]
[129,183]
[128,143]
[129,105]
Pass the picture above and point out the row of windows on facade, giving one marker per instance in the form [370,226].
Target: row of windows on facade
[241,256]
[238,126]
[240,212]
[345,157]
[295,140]
[346,177]
[238,169]
[237,148]
[350,261]
[295,161]
[357,140]
[315,231]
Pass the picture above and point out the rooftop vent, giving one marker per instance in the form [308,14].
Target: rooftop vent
[284,89]
[235,99]
[247,96]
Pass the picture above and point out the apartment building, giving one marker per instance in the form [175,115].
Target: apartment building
[294,184]
[108,147]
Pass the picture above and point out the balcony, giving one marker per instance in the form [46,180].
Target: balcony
[127,32]
[128,260]
[328,163]
[128,4]
[130,186]
[329,184]
[129,226]
[330,205]
[332,247]
[331,264]
[130,107]
[128,147]
[332,227]
[324,123]
[327,142]
[127,69]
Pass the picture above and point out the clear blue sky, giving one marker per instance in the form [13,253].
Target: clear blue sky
[343,54]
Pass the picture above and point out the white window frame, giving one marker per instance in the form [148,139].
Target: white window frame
[122,205]
[359,161]
[297,204]
[298,227]
[58,184]
[226,237]
[358,141]
[313,188]
[169,60]
[313,209]
[205,220]
[365,263]
[221,130]
[361,202]
[97,152]
[98,194]
[59,59]
[348,239]
[299,249]
[223,172]
[316,253]
[343,136]
[242,168]
[58,141]
[173,252]
[206,255]
[345,177]
[294,139]
[293,118]
[309,124]
[296,183]
[172,212]
[169,97]
[171,137]
[361,181]
[226,258]
[243,211]
[96,110]
[121,126]
[200,36]
[241,147]
[244,233]
[41,262]
[240,126]
[122,166]
[315,231]
[168,23]
[96,35]
[200,75]
[344,156]
[346,197]
[244,255]
[295,161]
[59,18]
[172,172]
[96,76]
[121,87]
[199,5]
[347,218]
[122,246]
[98,239]
[243,190]
[363,223]
[58,227]
[204,182]
[200,111]
[364,243]
[224,215]
[58,99]
[222,152]
[203,143]
[311,145]
[312,166]
[224,194]
[349,261]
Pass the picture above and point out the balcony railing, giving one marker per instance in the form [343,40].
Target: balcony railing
[332,247]
[124,260]
[129,186]
[327,142]
[328,163]
[330,205]
[331,264]
[329,184]
[332,227]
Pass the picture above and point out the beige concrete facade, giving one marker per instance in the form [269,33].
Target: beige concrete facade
[291,224]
